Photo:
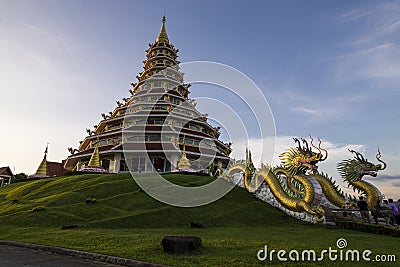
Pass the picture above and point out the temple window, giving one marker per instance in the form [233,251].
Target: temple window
[160,121]
[114,125]
[175,101]
[154,138]
[141,122]
[178,123]
[193,127]
[160,108]
[189,141]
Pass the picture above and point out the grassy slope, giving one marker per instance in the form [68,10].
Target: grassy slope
[126,222]
[121,204]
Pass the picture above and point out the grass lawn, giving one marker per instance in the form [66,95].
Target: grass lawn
[124,221]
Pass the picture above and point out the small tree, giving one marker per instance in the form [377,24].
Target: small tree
[20,176]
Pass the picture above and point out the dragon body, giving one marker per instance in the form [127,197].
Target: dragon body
[289,183]
[298,186]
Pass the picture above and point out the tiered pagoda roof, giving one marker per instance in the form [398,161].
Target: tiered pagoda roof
[159,103]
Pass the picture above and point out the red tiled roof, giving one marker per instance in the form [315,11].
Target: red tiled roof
[55,168]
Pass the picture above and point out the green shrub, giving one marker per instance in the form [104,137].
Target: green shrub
[369,228]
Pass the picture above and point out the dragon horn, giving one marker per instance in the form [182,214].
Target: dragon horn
[298,142]
[362,157]
[358,156]
[306,148]
[313,144]
[378,157]
[321,149]
[355,153]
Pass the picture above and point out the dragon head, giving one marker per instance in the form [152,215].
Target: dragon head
[354,169]
[302,158]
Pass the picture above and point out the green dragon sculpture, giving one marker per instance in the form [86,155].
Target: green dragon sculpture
[299,187]
[352,171]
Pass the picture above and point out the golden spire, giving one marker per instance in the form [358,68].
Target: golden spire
[184,162]
[94,161]
[42,170]
[162,36]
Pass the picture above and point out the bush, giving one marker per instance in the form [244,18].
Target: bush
[21,176]
[369,228]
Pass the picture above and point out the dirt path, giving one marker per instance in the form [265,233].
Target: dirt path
[18,256]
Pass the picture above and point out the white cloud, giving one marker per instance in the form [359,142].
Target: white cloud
[306,110]
[319,108]
[328,111]
[370,50]
[374,54]
[354,14]
[391,26]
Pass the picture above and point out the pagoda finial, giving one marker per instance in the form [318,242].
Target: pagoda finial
[94,161]
[184,162]
[162,36]
[42,169]
[46,151]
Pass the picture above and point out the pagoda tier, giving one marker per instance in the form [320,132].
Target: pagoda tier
[154,123]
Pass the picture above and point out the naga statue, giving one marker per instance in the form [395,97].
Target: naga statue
[352,171]
[72,150]
[299,187]
[290,183]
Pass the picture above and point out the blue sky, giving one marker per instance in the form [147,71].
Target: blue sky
[330,68]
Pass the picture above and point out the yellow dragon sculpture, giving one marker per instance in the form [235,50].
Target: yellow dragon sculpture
[288,183]
[299,187]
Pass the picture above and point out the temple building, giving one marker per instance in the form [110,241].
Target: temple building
[156,128]
[6,176]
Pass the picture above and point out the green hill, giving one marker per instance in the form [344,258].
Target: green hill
[118,202]
[121,220]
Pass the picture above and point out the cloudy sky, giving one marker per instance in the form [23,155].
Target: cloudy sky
[330,68]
